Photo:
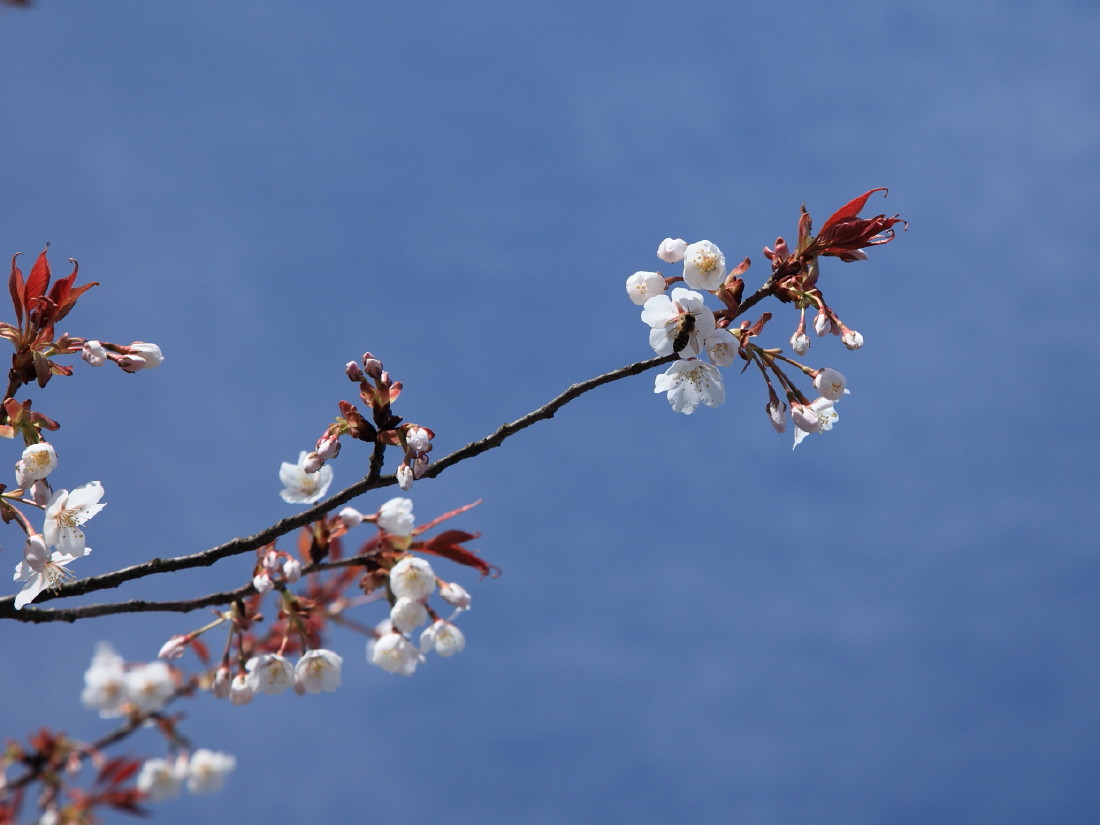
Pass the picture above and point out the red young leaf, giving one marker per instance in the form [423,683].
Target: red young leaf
[16,288]
[447,545]
[39,278]
[851,208]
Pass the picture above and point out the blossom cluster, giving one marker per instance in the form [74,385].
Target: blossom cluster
[683,329]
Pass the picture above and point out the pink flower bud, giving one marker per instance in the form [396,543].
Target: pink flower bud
[174,647]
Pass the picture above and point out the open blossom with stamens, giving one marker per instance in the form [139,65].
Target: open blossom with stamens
[270,673]
[704,266]
[393,652]
[812,418]
[42,570]
[66,512]
[641,286]
[443,637]
[318,670]
[830,384]
[721,346]
[38,461]
[412,577]
[664,314]
[408,614]
[302,487]
[689,383]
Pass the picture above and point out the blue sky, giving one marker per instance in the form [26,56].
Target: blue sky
[895,623]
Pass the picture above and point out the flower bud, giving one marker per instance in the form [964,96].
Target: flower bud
[405,477]
[672,250]
[174,647]
[800,342]
[94,353]
[851,339]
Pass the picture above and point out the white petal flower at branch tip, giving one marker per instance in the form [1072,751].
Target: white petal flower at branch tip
[704,266]
[240,689]
[641,286]
[408,614]
[302,487]
[38,461]
[66,512]
[105,682]
[412,578]
[664,314]
[672,250]
[800,343]
[318,670]
[689,383]
[822,325]
[812,418]
[292,569]
[270,673]
[42,570]
[852,339]
[721,346]
[443,637]
[150,686]
[94,353]
[207,770]
[394,654]
[830,384]
[396,517]
[161,779]
[455,594]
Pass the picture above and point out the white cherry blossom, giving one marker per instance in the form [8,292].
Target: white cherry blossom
[641,286]
[704,266]
[207,770]
[664,314]
[38,461]
[66,512]
[412,578]
[161,779]
[830,384]
[317,671]
[394,653]
[690,382]
[302,487]
[396,517]
[812,418]
[42,570]
[443,637]
[270,673]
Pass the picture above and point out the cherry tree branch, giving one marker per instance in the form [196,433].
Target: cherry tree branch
[373,480]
